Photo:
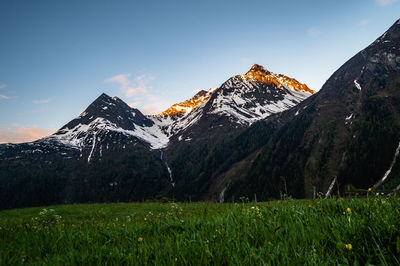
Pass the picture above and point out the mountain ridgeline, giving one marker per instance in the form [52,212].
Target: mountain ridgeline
[259,133]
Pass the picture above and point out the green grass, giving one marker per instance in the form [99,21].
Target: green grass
[279,232]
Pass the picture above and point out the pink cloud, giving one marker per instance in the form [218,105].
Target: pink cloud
[135,104]
[138,87]
[154,108]
[385,2]
[17,134]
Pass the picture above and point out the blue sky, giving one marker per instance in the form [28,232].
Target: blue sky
[57,56]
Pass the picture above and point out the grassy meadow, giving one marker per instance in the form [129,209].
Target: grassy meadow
[290,232]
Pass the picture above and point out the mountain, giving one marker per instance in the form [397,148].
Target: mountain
[108,153]
[350,130]
[235,106]
[112,152]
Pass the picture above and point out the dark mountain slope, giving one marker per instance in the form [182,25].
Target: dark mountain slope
[350,129]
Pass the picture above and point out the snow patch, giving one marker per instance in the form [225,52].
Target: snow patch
[77,135]
[222,195]
[357,85]
[349,117]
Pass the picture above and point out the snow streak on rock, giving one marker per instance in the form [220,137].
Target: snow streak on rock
[357,85]
[93,146]
[396,154]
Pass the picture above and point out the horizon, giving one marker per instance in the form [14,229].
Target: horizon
[59,57]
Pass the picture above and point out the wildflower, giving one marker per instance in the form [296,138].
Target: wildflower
[348,210]
[140,239]
[349,246]
[145,218]
[309,205]
[370,189]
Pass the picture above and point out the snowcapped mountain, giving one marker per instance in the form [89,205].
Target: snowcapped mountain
[242,100]
[109,115]
[256,95]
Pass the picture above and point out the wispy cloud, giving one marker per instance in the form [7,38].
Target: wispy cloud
[41,101]
[153,108]
[313,32]
[140,88]
[18,134]
[2,96]
[2,85]
[364,22]
[135,104]
[384,2]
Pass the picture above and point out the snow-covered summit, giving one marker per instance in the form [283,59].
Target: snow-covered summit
[261,74]
[108,115]
[246,100]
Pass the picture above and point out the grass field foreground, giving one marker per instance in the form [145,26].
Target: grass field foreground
[291,232]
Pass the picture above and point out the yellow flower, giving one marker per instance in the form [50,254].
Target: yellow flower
[140,239]
[370,189]
[309,205]
[348,210]
[145,218]
[349,246]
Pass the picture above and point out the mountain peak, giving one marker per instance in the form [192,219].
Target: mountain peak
[259,68]
[183,108]
[259,73]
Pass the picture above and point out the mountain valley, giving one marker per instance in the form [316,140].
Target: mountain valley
[259,133]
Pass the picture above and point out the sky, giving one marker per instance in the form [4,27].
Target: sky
[56,57]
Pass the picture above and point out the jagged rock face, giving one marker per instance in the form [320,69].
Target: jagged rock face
[246,100]
[108,115]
